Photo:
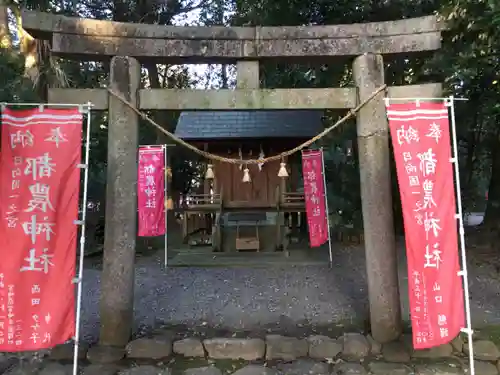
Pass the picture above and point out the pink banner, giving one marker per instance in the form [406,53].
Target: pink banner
[314,193]
[151,191]
[39,194]
[421,140]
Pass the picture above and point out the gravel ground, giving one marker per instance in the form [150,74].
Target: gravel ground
[250,298]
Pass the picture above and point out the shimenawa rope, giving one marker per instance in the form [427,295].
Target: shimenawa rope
[281,156]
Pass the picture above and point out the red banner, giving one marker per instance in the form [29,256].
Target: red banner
[421,139]
[314,193]
[39,194]
[151,191]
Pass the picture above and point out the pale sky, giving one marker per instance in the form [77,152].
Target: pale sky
[198,70]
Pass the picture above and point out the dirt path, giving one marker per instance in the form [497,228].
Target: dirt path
[250,298]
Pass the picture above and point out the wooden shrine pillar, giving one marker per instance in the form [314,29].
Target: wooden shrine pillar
[295,164]
[117,284]
[207,186]
[378,222]
[247,75]
[171,199]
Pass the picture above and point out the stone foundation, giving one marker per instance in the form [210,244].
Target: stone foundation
[351,354]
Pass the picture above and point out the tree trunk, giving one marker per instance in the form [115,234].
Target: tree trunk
[36,57]
[154,82]
[219,17]
[5,37]
[492,214]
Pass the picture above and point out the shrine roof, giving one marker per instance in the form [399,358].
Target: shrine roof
[203,125]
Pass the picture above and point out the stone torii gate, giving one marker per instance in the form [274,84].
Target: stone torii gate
[128,45]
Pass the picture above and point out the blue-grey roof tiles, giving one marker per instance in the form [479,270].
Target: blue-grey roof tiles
[203,125]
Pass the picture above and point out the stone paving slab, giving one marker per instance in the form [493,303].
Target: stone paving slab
[349,354]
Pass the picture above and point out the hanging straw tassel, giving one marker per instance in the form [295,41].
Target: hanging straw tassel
[246,175]
[209,174]
[261,156]
[282,172]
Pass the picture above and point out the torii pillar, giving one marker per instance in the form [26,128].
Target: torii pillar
[118,274]
[378,221]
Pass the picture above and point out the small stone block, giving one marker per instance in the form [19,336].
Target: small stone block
[384,368]
[25,368]
[285,348]
[304,366]
[375,347]
[438,369]
[109,369]
[458,344]
[55,368]
[255,370]
[145,370]
[442,351]
[234,348]
[323,347]
[349,369]
[7,361]
[65,352]
[484,350]
[189,347]
[209,370]
[103,354]
[481,368]
[395,352]
[356,346]
[149,348]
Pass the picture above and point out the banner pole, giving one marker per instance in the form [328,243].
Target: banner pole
[62,105]
[392,99]
[459,216]
[79,279]
[165,199]
[326,207]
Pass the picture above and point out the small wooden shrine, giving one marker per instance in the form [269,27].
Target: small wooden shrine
[246,207]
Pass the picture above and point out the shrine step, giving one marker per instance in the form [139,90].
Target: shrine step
[245,259]
[247,244]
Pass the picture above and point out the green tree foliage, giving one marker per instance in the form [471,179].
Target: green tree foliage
[470,66]
[341,165]
[19,86]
